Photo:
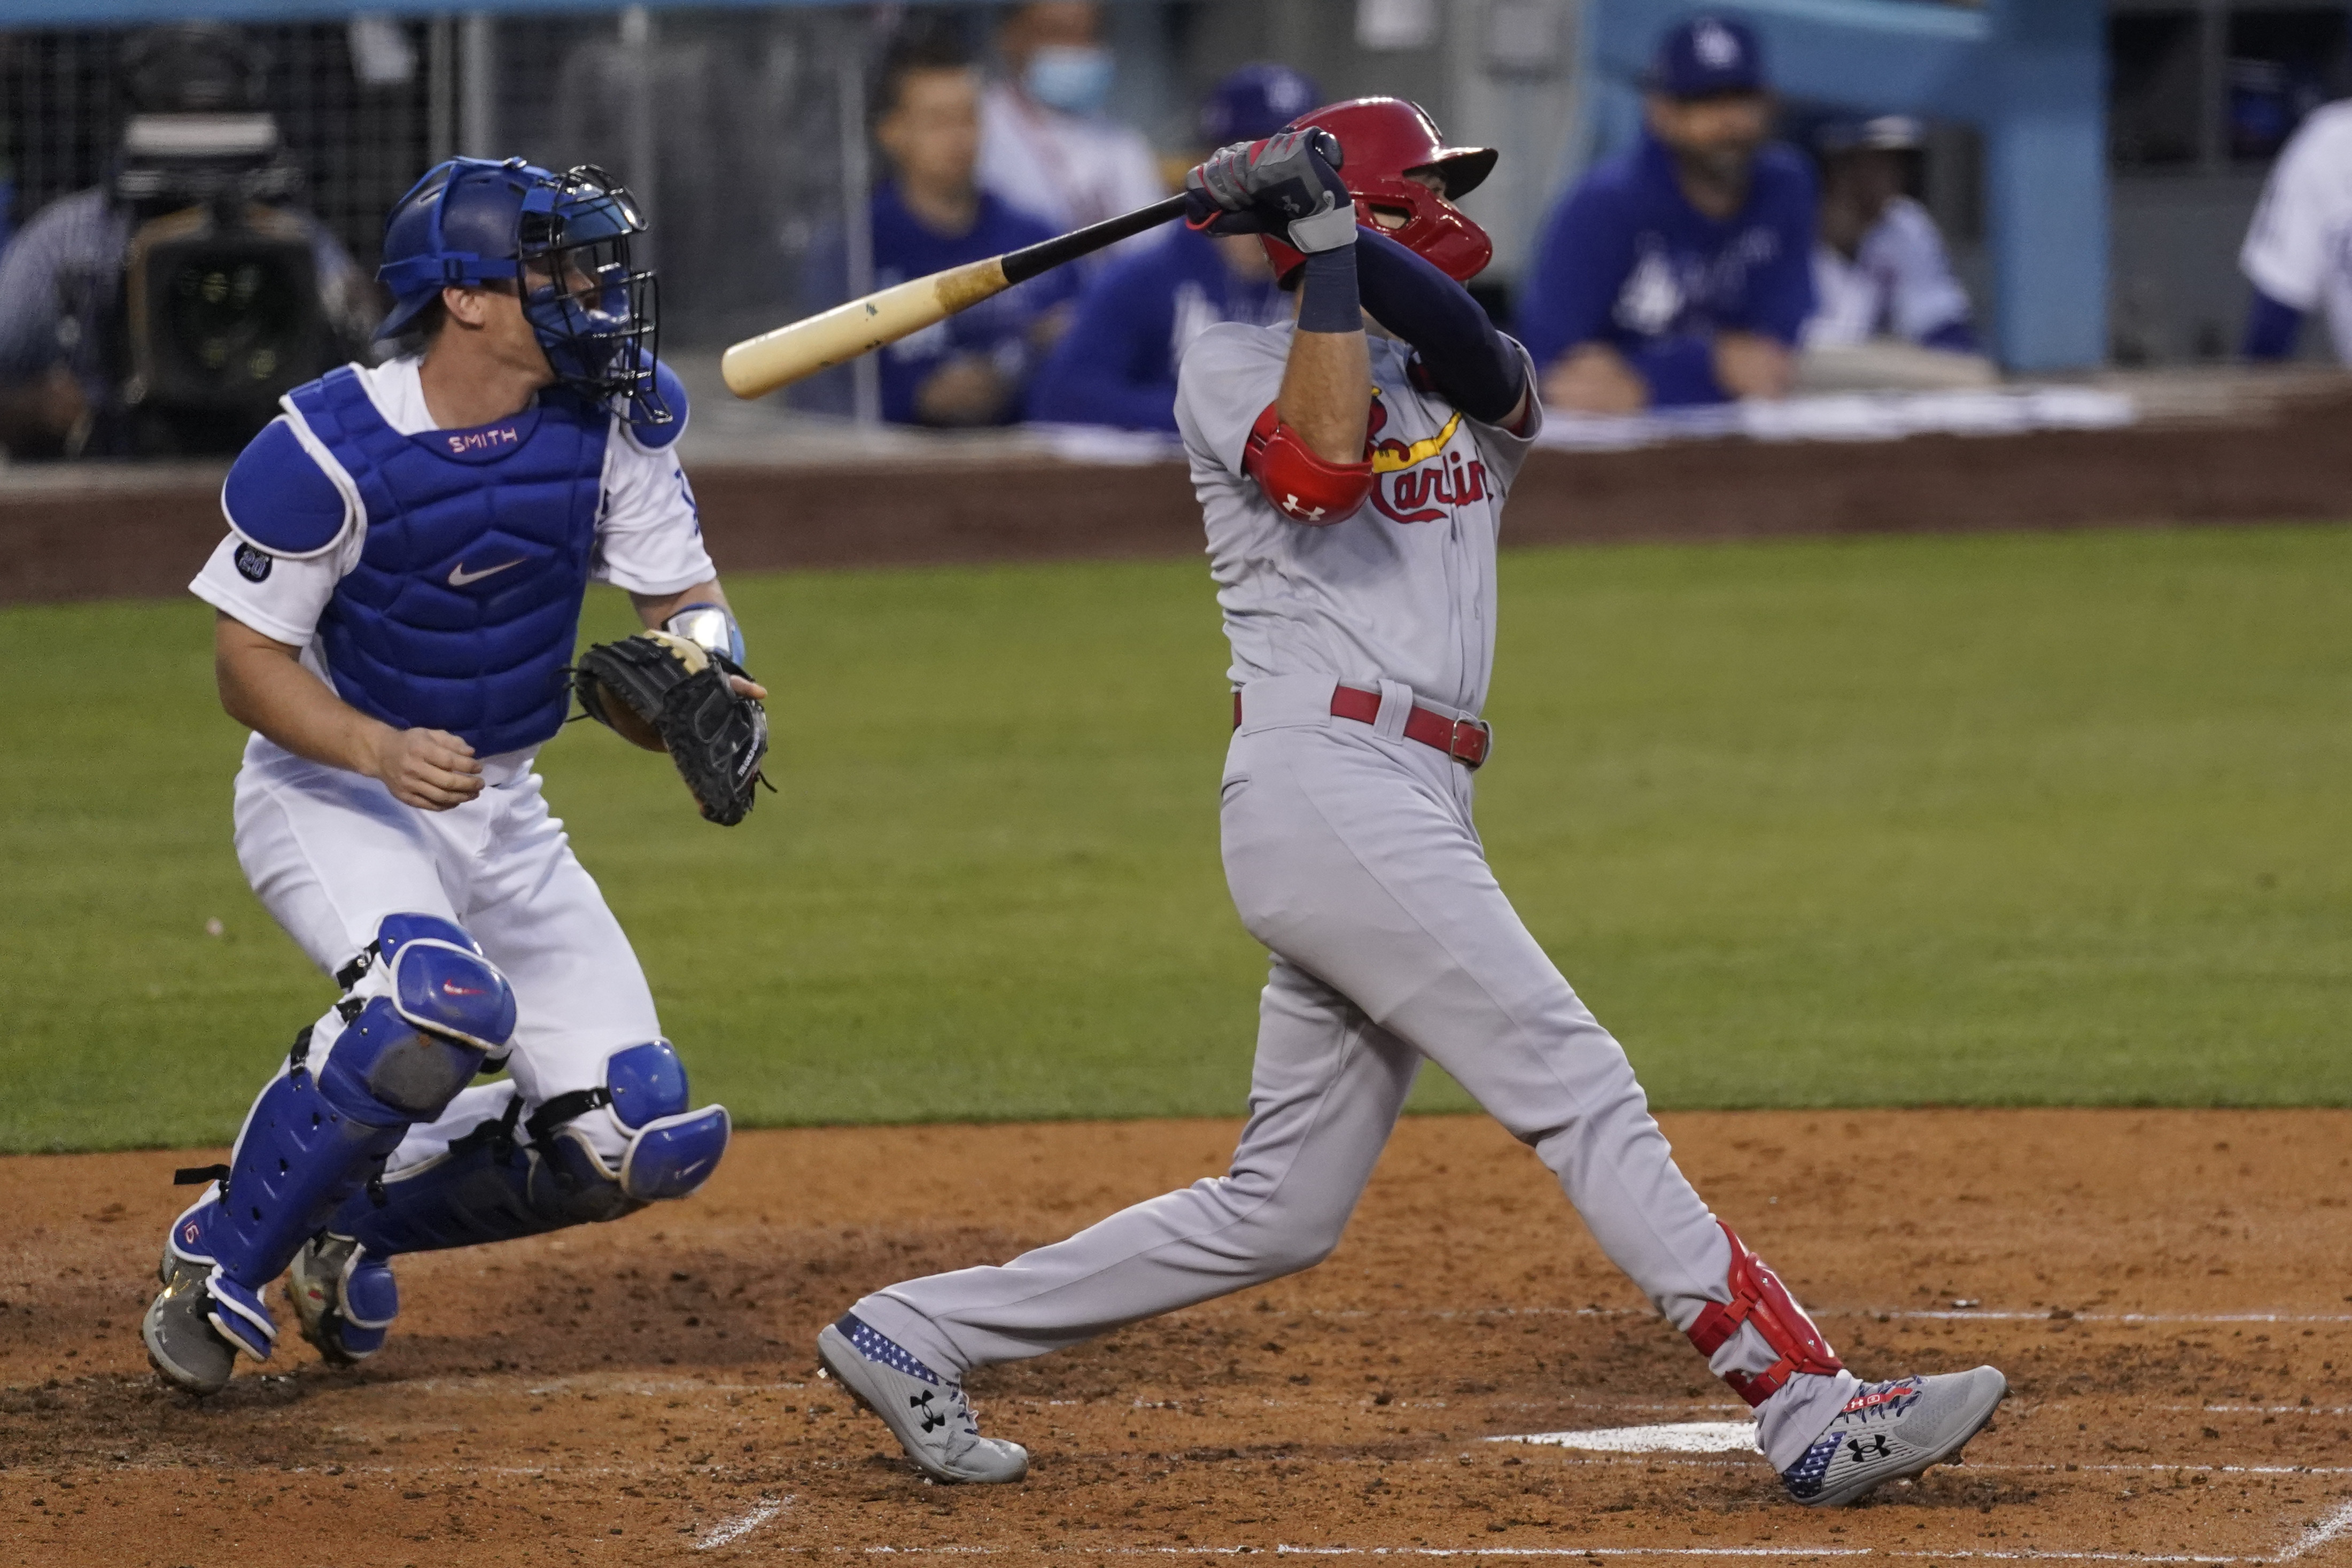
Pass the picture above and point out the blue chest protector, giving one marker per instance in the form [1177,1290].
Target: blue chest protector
[462,609]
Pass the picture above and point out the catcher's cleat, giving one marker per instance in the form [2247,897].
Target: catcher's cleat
[1889,1430]
[182,1343]
[927,1413]
[344,1299]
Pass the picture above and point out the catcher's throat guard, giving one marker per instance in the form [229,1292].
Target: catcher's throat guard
[1758,1299]
[667,694]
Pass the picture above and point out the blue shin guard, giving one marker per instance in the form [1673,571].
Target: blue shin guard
[417,1025]
[509,1178]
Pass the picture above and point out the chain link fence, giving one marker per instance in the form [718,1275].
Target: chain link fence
[729,125]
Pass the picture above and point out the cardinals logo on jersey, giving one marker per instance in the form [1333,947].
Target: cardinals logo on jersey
[1423,481]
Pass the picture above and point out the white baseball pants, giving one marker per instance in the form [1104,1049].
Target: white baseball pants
[330,853]
[1351,854]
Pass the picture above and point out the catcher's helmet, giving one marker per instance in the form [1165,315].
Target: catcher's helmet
[1382,140]
[471,221]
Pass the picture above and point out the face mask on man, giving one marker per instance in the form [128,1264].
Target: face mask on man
[1071,78]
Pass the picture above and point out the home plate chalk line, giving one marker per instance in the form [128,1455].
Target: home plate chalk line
[1670,1438]
[734,1530]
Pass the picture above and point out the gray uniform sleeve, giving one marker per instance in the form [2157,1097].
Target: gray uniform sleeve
[1230,374]
[1504,451]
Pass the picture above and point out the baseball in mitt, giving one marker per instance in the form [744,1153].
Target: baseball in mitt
[667,694]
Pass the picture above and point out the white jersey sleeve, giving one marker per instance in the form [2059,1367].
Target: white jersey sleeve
[280,598]
[295,528]
[2301,232]
[650,538]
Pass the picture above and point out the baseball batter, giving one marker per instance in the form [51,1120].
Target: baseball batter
[1352,540]
[398,599]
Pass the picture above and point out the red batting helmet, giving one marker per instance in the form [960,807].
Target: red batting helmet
[1382,140]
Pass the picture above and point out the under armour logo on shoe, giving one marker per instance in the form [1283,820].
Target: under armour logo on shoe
[921,1405]
[1875,1447]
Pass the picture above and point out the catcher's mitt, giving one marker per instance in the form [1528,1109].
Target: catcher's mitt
[667,694]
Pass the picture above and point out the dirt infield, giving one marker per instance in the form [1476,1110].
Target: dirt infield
[2167,1291]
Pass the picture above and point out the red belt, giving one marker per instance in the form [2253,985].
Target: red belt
[1466,741]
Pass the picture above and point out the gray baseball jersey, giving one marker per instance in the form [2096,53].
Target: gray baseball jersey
[1405,588]
[1351,854]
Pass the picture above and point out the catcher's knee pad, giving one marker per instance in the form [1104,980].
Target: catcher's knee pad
[414,1029]
[594,1154]
[1760,1300]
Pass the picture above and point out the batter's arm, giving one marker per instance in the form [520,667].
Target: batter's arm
[1326,392]
[264,687]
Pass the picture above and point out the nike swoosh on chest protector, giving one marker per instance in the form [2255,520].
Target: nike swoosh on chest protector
[459,577]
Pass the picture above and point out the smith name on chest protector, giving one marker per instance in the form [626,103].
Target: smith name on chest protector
[462,609]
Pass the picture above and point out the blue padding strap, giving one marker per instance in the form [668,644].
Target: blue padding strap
[393,930]
[277,497]
[453,269]
[453,991]
[672,392]
[386,1071]
[240,1314]
[673,1156]
[646,1082]
[370,1296]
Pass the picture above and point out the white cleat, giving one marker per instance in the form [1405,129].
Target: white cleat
[1889,1430]
[927,1411]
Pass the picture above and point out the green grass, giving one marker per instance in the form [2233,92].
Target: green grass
[2030,819]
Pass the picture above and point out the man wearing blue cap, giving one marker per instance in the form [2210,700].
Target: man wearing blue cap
[1117,364]
[1679,272]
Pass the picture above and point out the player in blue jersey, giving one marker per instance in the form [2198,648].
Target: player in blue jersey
[1680,272]
[399,595]
[1117,364]
[931,213]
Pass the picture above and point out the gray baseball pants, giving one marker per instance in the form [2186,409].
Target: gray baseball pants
[1351,854]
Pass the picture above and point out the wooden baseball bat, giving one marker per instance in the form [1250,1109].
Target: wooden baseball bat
[760,365]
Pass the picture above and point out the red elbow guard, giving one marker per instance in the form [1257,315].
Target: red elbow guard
[1302,486]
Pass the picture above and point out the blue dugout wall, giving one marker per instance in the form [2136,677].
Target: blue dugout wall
[2029,74]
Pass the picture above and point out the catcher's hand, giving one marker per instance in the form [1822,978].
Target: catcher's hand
[667,694]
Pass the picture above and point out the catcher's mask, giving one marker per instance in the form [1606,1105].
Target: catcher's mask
[1385,141]
[564,238]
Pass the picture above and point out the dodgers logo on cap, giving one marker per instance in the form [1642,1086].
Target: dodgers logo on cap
[1717,46]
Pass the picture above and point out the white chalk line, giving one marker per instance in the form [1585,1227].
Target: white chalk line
[735,1530]
[2337,1520]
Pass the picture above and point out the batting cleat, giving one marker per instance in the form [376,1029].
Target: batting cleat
[927,1411]
[182,1342]
[1889,1430]
[344,1299]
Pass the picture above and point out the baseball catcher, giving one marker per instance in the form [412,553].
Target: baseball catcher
[399,599]
[1352,540]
